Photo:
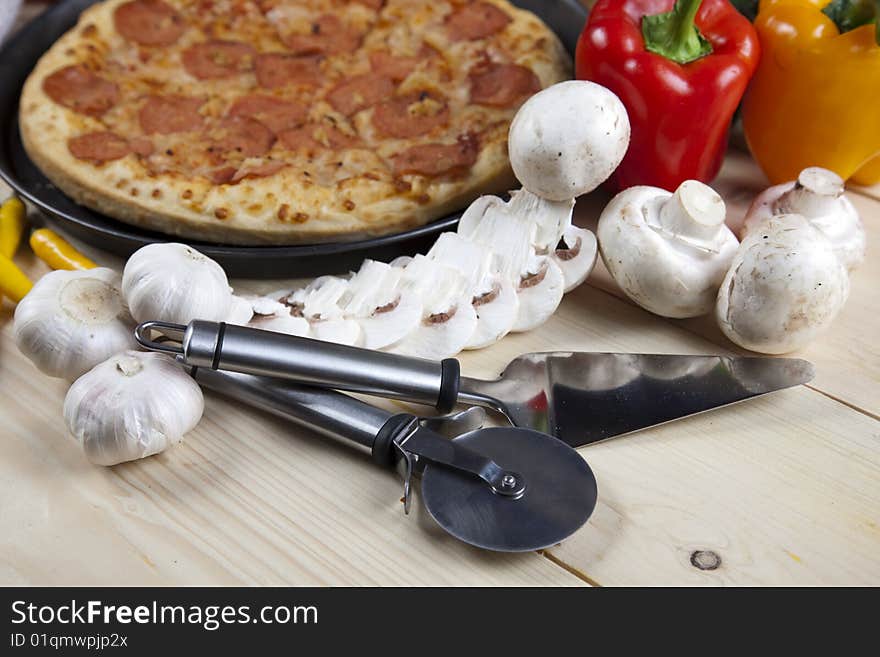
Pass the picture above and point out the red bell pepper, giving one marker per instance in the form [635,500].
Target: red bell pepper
[680,71]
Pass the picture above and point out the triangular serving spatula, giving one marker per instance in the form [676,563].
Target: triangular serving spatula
[575,396]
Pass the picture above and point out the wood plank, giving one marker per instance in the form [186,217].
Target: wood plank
[847,358]
[245,499]
[785,489]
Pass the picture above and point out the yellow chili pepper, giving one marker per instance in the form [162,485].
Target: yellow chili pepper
[814,99]
[57,252]
[13,282]
[13,219]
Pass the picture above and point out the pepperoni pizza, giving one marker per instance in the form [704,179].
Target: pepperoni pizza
[284,121]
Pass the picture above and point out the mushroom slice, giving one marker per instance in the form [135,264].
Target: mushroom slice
[818,195]
[540,291]
[272,315]
[320,302]
[475,213]
[241,311]
[576,256]
[448,318]
[492,296]
[551,218]
[538,281]
[384,310]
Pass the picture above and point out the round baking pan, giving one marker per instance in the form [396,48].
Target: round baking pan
[20,54]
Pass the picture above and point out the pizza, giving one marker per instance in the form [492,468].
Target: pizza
[284,121]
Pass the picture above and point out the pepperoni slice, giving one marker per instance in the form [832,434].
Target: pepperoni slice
[148,22]
[261,170]
[362,91]
[214,60]
[411,115]
[328,35]
[395,67]
[240,135]
[141,146]
[277,70]
[276,114]
[477,20]
[169,114]
[437,159]
[502,84]
[315,137]
[98,147]
[81,90]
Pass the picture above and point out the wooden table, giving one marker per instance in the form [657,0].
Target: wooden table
[780,490]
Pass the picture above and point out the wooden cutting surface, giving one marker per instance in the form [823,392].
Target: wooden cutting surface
[780,490]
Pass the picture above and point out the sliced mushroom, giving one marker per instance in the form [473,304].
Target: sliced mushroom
[448,318]
[492,295]
[320,302]
[385,311]
[241,311]
[538,281]
[818,195]
[667,252]
[281,316]
[576,256]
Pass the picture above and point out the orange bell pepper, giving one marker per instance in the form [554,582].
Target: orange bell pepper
[815,98]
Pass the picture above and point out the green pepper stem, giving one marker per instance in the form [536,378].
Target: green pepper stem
[674,35]
[851,14]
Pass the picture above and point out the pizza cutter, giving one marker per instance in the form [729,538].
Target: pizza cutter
[503,488]
[577,397]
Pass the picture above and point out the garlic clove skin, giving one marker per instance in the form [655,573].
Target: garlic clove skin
[784,287]
[579,257]
[175,283]
[667,252]
[817,194]
[73,320]
[133,405]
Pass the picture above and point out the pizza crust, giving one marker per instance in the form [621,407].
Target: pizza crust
[286,207]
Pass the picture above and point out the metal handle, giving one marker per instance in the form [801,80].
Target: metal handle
[255,351]
[328,412]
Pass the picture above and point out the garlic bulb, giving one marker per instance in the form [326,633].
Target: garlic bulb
[175,283]
[131,406]
[72,320]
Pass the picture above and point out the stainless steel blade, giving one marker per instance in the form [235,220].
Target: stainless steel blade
[582,398]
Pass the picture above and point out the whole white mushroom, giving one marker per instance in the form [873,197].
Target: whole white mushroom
[568,139]
[784,287]
[668,252]
[817,194]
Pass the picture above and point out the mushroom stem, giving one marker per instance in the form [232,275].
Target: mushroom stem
[814,194]
[695,212]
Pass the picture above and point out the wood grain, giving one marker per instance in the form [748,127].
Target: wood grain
[780,490]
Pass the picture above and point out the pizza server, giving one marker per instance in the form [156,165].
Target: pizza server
[577,397]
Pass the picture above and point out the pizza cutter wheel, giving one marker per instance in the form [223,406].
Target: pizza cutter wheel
[504,489]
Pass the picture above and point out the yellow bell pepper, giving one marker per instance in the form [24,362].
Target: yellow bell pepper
[815,98]
[13,219]
[13,282]
[57,252]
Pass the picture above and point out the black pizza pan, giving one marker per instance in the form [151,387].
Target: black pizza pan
[19,55]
